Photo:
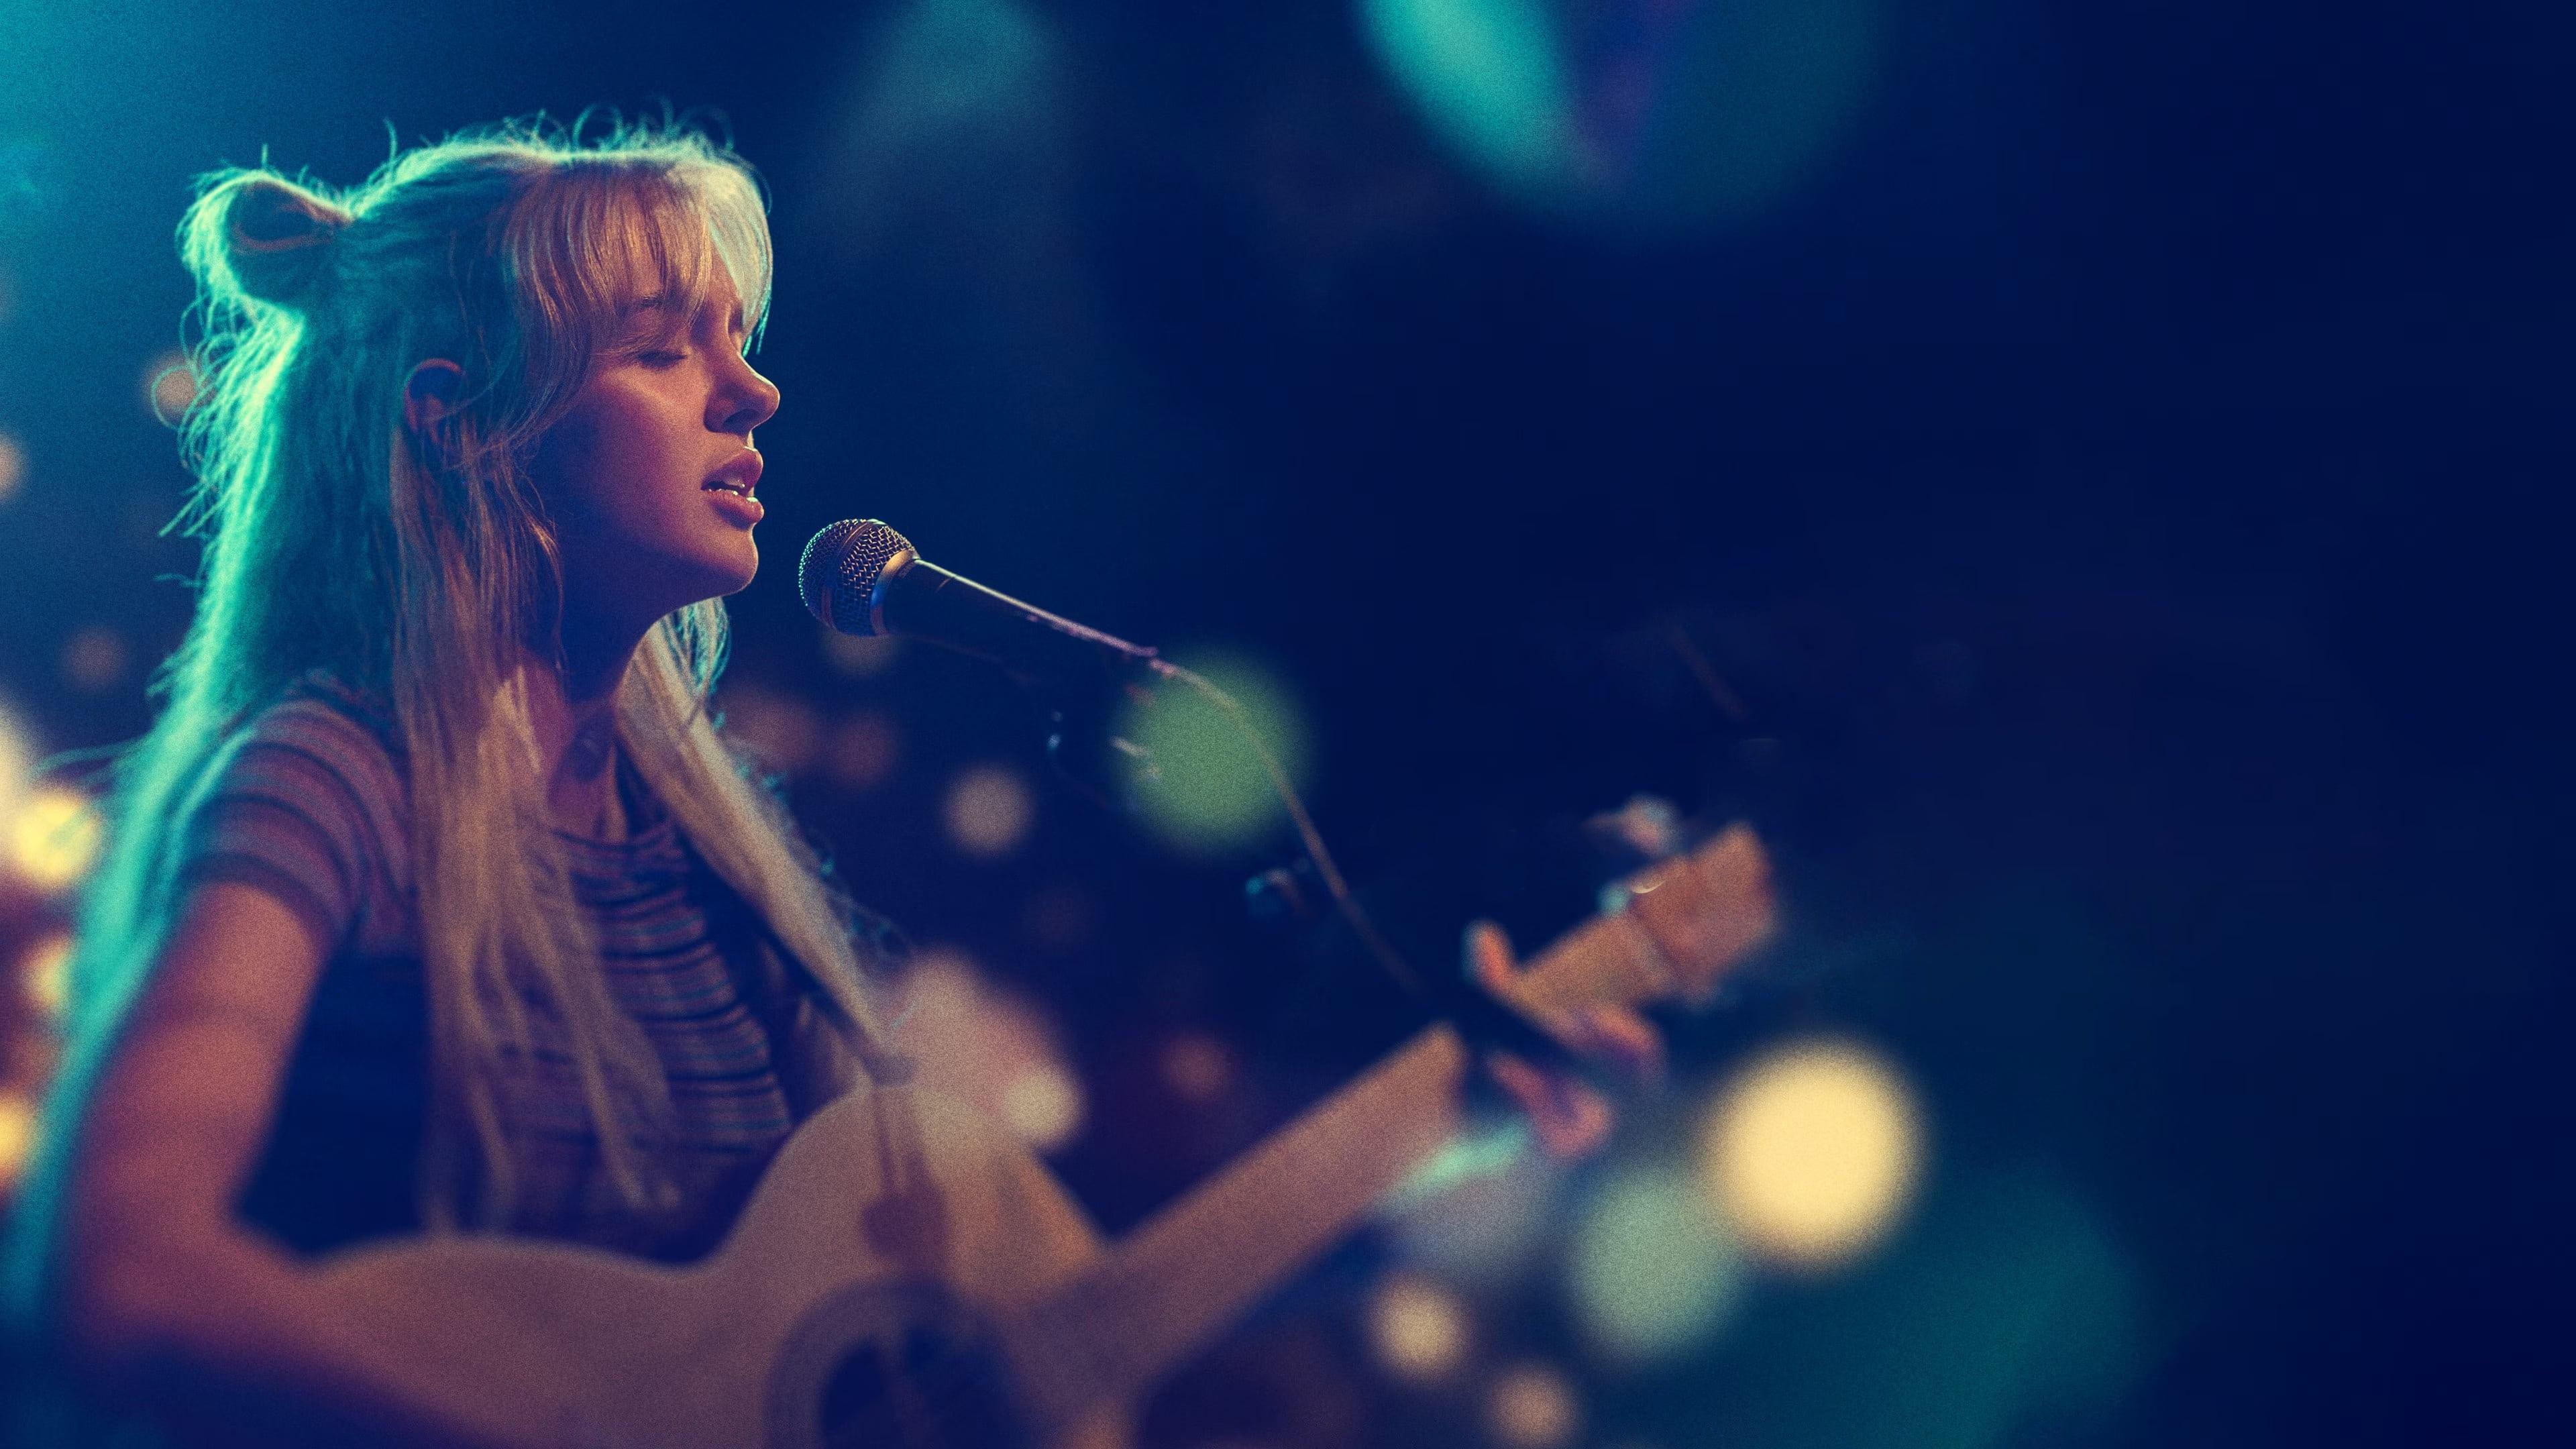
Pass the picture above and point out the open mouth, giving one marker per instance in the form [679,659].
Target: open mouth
[738,480]
[739,476]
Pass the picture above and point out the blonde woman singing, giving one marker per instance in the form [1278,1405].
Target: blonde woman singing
[436,902]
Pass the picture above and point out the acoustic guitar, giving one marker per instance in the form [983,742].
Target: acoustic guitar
[907,1276]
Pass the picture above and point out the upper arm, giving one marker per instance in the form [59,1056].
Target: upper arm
[185,1100]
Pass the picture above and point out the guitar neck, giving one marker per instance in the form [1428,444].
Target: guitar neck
[1180,1279]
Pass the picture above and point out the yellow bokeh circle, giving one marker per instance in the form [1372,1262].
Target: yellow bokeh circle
[1812,1153]
[55,836]
[1418,1327]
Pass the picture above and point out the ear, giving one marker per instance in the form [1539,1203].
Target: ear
[430,393]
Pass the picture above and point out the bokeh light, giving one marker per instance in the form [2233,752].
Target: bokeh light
[960,83]
[1418,1328]
[1042,1105]
[53,837]
[861,655]
[1198,1066]
[17,756]
[1489,76]
[1652,1270]
[170,387]
[865,748]
[1641,113]
[988,1047]
[45,976]
[781,730]
[17,1137]
[1479,1210]
[1812,1152]
[988,811]
[13,466]
[1532,1406]
[94,659]
[1212,793]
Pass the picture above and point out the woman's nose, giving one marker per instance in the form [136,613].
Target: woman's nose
[751,401]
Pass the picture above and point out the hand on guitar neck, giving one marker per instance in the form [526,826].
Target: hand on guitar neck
[1570,1117]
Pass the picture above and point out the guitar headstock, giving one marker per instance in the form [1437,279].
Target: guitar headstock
[1706,910]
[1687,921]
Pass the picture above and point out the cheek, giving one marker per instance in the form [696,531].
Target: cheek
[575,464]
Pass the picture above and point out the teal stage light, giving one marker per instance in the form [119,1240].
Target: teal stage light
[1636,115]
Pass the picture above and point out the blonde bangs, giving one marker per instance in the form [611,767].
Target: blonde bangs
[593,238]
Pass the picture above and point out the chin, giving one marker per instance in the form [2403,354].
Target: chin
[715,581]
[733,571]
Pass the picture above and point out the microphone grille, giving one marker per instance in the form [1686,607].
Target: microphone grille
[840,570]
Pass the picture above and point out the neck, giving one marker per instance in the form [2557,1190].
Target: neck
[573,711]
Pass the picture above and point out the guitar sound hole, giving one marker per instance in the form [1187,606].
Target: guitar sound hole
[913,1372]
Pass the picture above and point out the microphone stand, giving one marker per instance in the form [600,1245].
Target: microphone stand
[1084,746]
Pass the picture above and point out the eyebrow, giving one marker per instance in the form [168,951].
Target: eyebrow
[738,323]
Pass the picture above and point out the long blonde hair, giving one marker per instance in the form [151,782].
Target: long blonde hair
[424,571]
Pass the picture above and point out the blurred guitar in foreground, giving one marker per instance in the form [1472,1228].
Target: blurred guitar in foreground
[908,1275]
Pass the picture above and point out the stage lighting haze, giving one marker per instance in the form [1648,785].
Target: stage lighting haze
[1648,115]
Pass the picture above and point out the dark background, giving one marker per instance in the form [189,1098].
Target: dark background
[2115,473]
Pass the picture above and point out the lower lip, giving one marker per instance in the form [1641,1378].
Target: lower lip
[743,511]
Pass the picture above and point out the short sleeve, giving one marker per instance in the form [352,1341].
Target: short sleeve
[301,808]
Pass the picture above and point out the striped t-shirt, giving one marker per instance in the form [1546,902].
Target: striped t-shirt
[310,805]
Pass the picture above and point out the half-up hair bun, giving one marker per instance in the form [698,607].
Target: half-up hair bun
[276,237]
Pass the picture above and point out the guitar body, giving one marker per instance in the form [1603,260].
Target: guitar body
[855,1303]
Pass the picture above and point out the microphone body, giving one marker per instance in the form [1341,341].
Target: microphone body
[861,577]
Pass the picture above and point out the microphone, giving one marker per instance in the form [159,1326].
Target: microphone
[861,577]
